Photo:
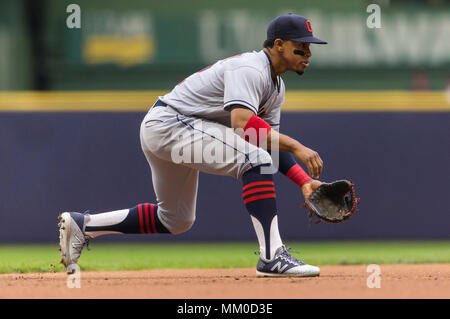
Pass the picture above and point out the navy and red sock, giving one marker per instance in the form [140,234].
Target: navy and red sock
[258,193]
[140,219]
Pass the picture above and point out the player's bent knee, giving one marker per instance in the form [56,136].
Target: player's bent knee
[264,157]
[179,220]
[259,157]
[181,226]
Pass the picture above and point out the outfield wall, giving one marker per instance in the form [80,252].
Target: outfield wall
[137,45]
[60,160]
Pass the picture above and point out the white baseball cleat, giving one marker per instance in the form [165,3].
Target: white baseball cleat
[285,265]
[71,239]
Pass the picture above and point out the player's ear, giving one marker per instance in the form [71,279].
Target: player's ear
[278,45]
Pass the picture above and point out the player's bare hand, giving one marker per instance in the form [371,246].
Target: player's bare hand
[311,159]
[310,187]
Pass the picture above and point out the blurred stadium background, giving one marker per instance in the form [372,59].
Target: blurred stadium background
[374,103]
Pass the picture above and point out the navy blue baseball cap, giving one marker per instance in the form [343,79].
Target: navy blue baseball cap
[292,27]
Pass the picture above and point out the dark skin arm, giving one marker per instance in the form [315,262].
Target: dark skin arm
[312,160]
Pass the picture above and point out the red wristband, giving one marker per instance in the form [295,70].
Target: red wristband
[298,175]
[256,129]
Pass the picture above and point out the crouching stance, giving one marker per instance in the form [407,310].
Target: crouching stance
[231,107]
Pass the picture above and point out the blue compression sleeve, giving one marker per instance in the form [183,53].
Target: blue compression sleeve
[287,160]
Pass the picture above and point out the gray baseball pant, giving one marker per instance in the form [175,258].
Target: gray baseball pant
[172,143]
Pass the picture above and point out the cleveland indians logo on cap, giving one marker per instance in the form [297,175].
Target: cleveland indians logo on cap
[308,25]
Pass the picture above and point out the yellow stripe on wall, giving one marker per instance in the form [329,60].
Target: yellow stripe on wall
[306,101]
[362,101]
[79,101]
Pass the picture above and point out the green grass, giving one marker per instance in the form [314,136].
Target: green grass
[45,258]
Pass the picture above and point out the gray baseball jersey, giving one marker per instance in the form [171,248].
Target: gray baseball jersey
[197,117]
[243,79]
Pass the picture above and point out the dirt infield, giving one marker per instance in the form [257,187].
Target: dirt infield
[397,281]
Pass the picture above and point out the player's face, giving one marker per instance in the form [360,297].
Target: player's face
[292,55]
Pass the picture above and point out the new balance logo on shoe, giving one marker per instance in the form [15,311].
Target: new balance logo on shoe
[285,265]
[279,268]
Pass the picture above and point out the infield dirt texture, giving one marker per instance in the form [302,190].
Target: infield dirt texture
[226,271]
[397,281]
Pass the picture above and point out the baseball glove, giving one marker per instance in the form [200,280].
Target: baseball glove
[330,202]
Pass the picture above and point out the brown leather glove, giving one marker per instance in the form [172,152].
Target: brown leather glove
[330,202]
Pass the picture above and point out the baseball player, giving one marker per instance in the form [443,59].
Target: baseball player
[217,111]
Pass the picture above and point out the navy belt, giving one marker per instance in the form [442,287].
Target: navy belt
[159,103]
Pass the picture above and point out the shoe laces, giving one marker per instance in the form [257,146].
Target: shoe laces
[87,242]
[80,243]
[285,255]
[87,239]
